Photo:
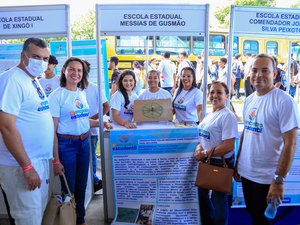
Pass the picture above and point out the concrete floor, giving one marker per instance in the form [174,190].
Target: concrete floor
[95,213]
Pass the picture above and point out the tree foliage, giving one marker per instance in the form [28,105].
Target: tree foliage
[296,5]
[84,27]
[222,14]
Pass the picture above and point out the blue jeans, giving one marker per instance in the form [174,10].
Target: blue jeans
[74,155]
[94,141]
[292,91]
[214,208]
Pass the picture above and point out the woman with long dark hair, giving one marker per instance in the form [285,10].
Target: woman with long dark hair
[187,101]
[122,101]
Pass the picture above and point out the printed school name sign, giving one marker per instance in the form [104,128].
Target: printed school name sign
[152,19]
[46,21]
[266,21]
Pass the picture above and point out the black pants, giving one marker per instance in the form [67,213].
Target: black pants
[256,200]
[11,220]
[237,87]
[248,88]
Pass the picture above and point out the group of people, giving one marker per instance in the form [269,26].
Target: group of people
[267,144]
[187,99]
[36,128]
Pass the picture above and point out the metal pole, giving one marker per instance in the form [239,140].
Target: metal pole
[101,130]
[206,53]
[230,52]
[69,38]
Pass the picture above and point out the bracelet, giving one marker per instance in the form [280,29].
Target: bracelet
[26,168]
[55,162]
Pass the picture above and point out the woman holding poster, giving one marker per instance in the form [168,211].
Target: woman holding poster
[122,101]
[217,133]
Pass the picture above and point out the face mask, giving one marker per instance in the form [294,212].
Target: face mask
[36,67]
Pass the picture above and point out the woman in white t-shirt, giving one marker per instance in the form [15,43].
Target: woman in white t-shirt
[122,101]
[217,134]
[187,101]
[70,112]
[154,91]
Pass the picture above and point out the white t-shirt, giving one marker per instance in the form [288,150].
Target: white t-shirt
[168,69]
[117,102]
[266,118]
[183,64]
[49,85]
[19,97]
[93,102]
[71,109]
[160,94]
[217,127]
[185,105]
[222,75]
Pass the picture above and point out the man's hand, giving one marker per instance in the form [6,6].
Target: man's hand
[276,192]
[33,179]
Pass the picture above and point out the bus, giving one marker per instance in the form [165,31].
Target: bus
[133,48]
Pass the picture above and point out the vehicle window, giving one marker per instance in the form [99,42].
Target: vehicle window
[296,50]
[216,45]
[132,45]
[235,45]
[272,48]
[173,44]
[250,46]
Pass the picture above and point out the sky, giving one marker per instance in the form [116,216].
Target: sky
[77,8]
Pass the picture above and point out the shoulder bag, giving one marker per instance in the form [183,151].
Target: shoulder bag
[214,177]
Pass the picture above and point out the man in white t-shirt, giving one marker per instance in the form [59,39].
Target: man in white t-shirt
[183,63]
[268,141]
[50,81]
[168,72]
[27,135]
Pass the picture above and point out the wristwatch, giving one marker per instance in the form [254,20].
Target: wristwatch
[279,179]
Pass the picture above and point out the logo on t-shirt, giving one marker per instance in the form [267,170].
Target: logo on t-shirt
[251,123]
[78,104]
[82,112]
[179,107]
[203,134]
[129,109]
[43,106]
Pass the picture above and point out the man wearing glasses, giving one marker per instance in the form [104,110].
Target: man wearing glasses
[27,135]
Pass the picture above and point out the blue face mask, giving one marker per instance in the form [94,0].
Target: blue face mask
[36,67]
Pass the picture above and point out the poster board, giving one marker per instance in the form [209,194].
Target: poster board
[152,110]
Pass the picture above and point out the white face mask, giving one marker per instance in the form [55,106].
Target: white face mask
[36,67]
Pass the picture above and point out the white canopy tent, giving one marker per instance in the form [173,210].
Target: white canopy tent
[42,21]
[263,22]
[146,19]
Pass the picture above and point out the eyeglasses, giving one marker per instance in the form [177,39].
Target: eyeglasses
[38,89]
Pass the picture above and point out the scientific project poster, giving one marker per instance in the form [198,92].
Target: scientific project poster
[154,176]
